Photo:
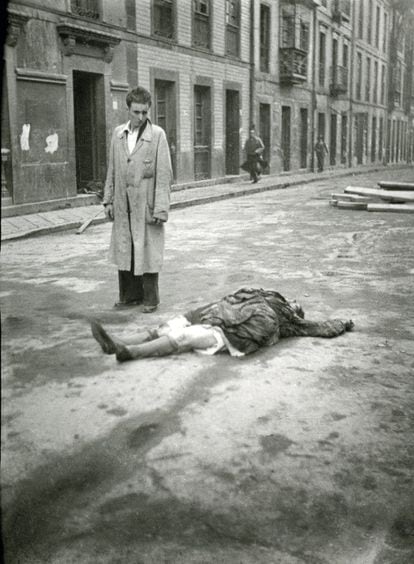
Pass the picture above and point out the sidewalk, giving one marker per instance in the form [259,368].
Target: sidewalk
[22,226]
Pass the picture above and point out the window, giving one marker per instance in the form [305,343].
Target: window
[232,27]
[368,81]
[345,55]
[201,23]
[322,58]
[264,37]
[383,85]
[397,85]
[86,8]
[131,14]
[384,39]
[375,91]
[361,21]
[304,36]
[377,27]
[358,84]
[369,22]
[288,30]
[163,18]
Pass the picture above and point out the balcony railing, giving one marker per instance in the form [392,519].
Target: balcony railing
[293,65]
[341,11]
[86,8]
[339,80]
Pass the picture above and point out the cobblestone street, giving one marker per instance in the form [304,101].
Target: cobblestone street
[301,453]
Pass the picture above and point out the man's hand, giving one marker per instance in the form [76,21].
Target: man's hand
[109,211]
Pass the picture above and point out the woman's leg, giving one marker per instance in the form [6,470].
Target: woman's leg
[162,346]
[181,340]
[109,343]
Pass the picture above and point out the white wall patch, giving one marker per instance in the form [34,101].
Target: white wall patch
[24,137]
[52,142]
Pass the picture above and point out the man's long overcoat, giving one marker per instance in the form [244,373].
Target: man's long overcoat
[139,181]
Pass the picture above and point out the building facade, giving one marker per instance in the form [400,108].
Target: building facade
[69,65]
[342,69]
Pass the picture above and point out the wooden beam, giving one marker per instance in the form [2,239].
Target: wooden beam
[352,197]
[391,185]
[389,195]
[398,208]
[352,205]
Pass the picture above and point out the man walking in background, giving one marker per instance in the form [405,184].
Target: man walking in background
[321,149]
[137,200]
[253,148]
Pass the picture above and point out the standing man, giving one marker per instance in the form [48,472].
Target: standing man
[253,148]
[137,200]
[321,149]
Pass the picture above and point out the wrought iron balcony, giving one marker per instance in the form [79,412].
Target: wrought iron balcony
[86,9]
[341,11]
[293,65]
[339,80]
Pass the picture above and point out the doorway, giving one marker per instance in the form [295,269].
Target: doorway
[286,137]
[359,137]
[264,116]
[202,132]
[165,116]
[303,138]
[332,149]
[344,136]
[373,138]
[90,130]
[232,132]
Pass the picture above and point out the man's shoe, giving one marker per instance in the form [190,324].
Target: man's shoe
[149,309]
[125,305]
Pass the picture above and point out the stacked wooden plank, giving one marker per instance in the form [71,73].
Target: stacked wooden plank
[389,197]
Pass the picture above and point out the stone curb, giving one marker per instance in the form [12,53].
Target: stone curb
[203,200]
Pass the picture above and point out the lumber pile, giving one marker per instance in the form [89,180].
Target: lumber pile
[389,197]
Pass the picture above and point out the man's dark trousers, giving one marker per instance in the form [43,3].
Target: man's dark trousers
[142,288]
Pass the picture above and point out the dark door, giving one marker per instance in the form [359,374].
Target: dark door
[232,132]
[359,137]
[332,148]
[264,132]
[321,125]
[344,135]
[202,132]
[90,134]
[286,137]
[165,116]
[303,138]
[373,138]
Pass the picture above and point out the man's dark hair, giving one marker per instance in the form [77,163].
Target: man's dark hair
[138,95]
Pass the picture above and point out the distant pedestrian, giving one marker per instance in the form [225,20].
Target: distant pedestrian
[137,200]
[321,149]
[253,149]
[239,323]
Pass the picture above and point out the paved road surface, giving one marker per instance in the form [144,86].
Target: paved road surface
[301,453]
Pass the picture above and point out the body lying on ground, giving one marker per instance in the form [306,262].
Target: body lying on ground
[240,323]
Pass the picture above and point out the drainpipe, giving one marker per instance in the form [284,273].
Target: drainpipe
[252,62]
[313,96]
[351,86]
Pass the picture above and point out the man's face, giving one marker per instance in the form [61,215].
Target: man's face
[138,114]
[252,133]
